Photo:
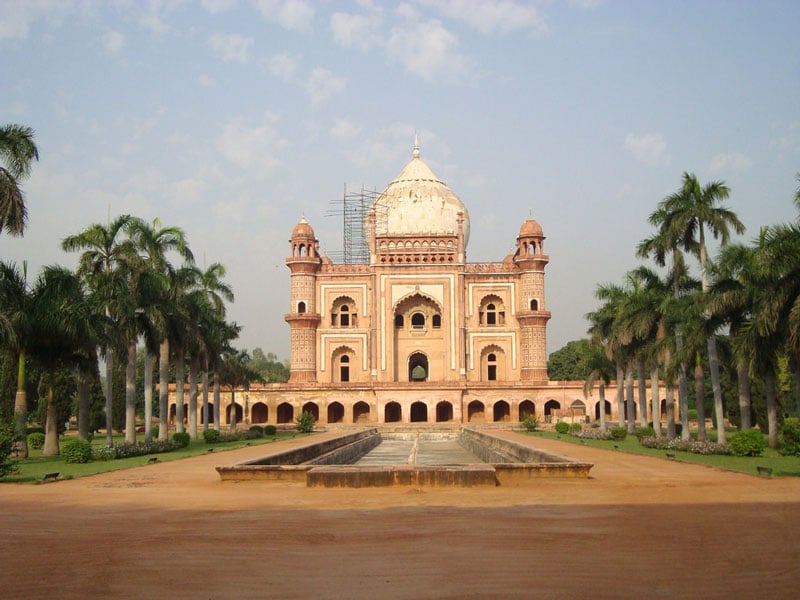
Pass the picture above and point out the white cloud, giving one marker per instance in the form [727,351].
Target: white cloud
[283,65]
[152,15]
[426,49]
[649,148]
[188,192]
[344,129]
[294,15]
[490,16]
[251,147]
[206,81]
[218,6]
[322,84]
[113,41]
[360,31]
[17,16]
[231,47]
[735,161]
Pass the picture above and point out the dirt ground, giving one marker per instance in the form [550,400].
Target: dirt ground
[638,528]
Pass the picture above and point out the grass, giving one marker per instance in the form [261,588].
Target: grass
[32,469]
[782,466]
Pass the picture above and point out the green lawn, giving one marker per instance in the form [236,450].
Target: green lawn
[782,466]
[35,466]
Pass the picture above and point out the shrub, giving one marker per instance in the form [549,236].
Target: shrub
[748,443]
[76,451]
[154,432]
[593,434]
[644,432]
[255,432]
[530,423]
[692,412]
[181,438]
[562,427]
[575,427]
[618,433]
[6,448]
[270,430]
[211,436]
[693,446]
[36,441]
[130,450]
[305,422]
[790,438]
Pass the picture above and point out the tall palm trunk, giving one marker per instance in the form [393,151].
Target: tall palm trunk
[655,400]
[699,398]
[50,425]
[683,387]
[179,390]
[620,394]
[84,406]
[205,399]
[217,401]
[716,386]
[601,390]
[642,393]
[163,390]
[743,382]
[631,405]
[770,392]
[130,394]
[109,396]
[233,408]
[21,410]
[194,371]
[149,360]
[671,411]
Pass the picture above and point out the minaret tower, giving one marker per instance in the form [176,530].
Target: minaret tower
[531,314]
[303,317]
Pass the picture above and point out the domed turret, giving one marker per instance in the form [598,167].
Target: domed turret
[531,228]
[418,202]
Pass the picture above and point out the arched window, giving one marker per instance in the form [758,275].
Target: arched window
[344,368]
[491,367]
[534,304]
[417,321]
[301,307]
[492,311]
[491,314]
[398,321]
[343,313]
[436,321]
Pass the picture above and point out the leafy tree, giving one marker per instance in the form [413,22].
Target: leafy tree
[269,367]
[568,363]
[17,152]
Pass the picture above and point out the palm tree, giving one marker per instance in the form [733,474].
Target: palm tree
[732,298]
[236,373]
[65,330]
[107,251]
[154,242]
[17,151]
[16,324]
[601,371]
[685,216]
[603,332]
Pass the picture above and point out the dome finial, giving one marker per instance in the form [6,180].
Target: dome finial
[415,154]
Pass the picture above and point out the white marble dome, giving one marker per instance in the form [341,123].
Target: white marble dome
[417,202]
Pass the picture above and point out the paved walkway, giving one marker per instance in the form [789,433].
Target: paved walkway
[638,528]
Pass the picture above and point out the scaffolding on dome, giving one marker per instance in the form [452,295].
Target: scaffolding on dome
[352,208]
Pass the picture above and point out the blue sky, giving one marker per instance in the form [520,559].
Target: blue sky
[231,119]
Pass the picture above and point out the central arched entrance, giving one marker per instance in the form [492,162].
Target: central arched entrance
[419,412]
[418,367]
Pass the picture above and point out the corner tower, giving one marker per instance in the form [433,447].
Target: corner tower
[303,318]
[532,315]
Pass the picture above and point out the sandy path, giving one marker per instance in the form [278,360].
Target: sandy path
[640,527]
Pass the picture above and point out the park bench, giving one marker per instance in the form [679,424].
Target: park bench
[50,476]
[764,471]
[152,460]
